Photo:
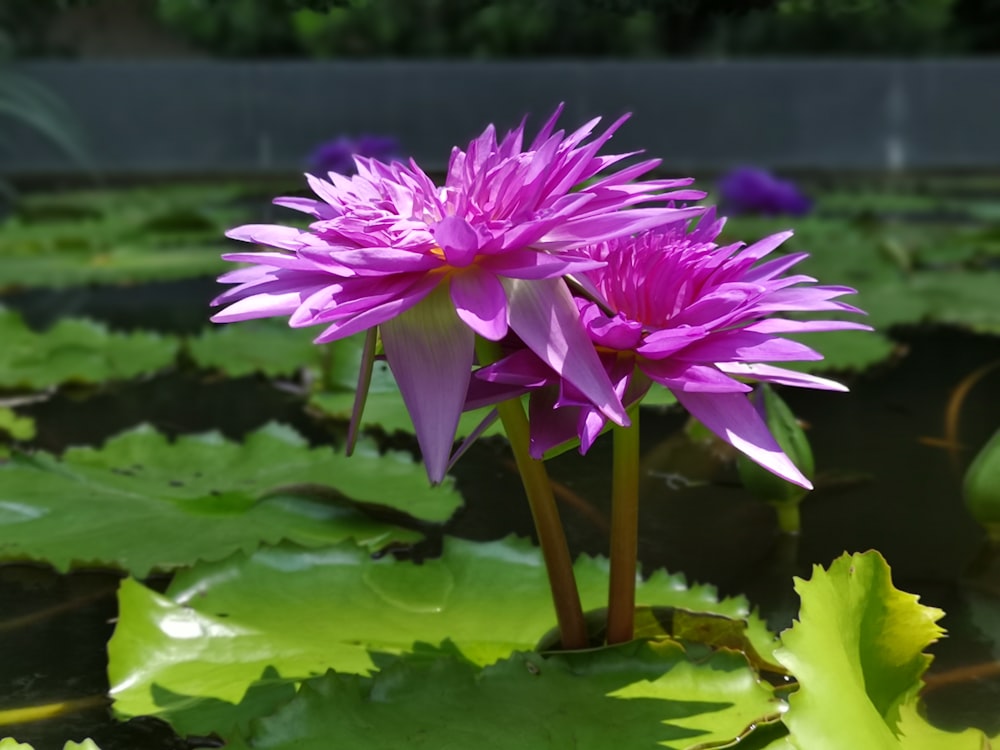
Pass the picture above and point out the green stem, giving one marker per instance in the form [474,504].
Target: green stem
[624,531]
[551,538]
[789,518]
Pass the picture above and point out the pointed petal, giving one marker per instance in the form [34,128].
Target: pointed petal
[733,418]
[375,315]
[480,302]
[274,235]
[260,306]
[741,345]
[430,352]
[532,264]
[780,325]
[780,375]
[691,378]
[542,312]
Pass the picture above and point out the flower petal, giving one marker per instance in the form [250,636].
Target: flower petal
[733,418]
[691,378]
[544,315]
[741,345]
[480,302]
[457,239]
[430,352]
[780,375]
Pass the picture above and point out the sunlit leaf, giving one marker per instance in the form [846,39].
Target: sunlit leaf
[109,236]
[141,502]
[915,733]
[642,694]
[79,351]
[15,426]
[845,351]
[857,653]
[303,612]
[266,346]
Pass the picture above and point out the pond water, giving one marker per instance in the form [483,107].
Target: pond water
[889,478]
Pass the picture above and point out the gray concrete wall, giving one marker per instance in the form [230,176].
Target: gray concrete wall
[198,117]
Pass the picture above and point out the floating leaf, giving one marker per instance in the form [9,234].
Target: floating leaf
[641,694]
[857,653]
[267,346]
[915,733]
[16,426]
[845,351]
[304,611]
[79,351]
[107,236]
[142,502]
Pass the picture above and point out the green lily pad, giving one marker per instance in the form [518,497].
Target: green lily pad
[915,733]
[76,351]
[266,346]
[305,611]
[642,694]
[142,502]
[15,426]
[958,297]
[857,653]
[845,351]
[119,236]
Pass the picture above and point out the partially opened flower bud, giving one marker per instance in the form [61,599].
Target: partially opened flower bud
[982,486]
[764,484]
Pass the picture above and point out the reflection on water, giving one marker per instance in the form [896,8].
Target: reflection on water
[885,481]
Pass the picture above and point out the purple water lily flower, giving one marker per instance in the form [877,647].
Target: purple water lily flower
[673,307]
[338,155]
[434,266]
[751,190]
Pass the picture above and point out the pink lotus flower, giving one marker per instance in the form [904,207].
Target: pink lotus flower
[672,307]
[432,267]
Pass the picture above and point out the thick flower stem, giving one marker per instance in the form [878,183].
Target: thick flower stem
[624,531]
[551,537]
[789,518]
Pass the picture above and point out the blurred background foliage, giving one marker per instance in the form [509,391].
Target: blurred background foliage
[541,28]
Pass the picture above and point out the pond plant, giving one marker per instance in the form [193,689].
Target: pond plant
[538,289]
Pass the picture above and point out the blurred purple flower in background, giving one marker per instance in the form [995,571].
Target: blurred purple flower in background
[338,155]
[752,190]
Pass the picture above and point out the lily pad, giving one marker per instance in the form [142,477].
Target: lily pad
[857,653]
[76,351]
[267,346]
[642,694]
[305,611]
[142,502]
[15,426]
[845,351]
[108,236]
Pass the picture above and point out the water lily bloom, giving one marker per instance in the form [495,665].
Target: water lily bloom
[752,190]
[434,266]
[673,307]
